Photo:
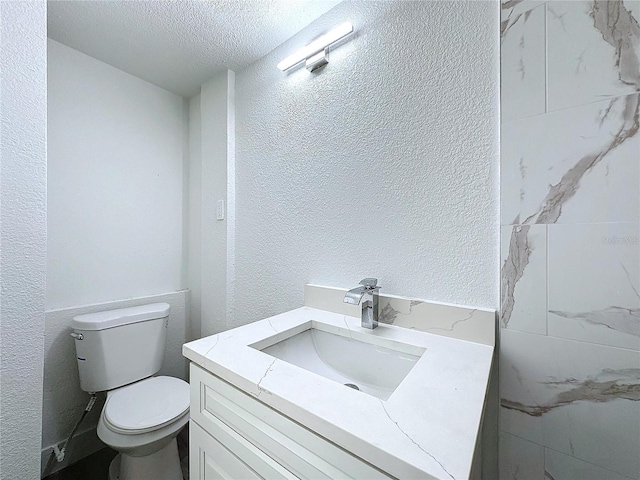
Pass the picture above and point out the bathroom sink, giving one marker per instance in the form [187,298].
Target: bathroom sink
[356,363]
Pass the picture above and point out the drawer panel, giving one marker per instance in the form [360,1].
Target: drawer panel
[299,450]
[228,456]
[210,460]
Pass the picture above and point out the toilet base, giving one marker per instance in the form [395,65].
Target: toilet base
[162,465]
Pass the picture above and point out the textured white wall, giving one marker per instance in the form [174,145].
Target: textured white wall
[217,169]
[23,234]
[64,401]
[194,190]
[115,183]
[385,163]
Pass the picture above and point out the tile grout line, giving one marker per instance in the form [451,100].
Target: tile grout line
[546,279]
[566,339]
[578,105]
[546,61]
[545,448]
[560,224]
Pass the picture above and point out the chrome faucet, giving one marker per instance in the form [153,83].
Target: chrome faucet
[369,290]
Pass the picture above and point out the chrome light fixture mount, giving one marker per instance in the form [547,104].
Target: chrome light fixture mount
[317,61]
[315,54]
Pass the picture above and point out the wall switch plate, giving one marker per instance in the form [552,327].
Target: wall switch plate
[220,210]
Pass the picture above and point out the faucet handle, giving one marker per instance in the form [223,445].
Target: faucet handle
[369,283]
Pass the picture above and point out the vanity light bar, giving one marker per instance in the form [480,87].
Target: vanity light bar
[318,45]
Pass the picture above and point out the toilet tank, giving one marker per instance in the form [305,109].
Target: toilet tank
[117,347]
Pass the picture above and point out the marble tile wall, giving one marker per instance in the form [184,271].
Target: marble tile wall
[570,211]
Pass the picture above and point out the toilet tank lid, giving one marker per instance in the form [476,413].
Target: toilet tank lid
[120,316]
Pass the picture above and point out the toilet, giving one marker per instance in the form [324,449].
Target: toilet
[119,352]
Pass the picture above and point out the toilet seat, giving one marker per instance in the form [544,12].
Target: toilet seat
[141,444]
[146,406]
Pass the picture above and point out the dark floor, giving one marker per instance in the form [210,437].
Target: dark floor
[93,467]
[96,466]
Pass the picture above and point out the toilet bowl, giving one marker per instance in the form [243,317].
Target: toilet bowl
[118,352]
[141,422]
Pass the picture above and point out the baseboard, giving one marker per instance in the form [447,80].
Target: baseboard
[81,446]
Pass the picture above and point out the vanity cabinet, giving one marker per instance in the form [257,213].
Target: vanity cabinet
[233,435]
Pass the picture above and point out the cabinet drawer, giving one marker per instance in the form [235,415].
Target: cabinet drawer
[209,459]
[297,449]
[228,456]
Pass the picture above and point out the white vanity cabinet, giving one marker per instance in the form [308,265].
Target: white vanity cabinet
[257,414]
[235,436]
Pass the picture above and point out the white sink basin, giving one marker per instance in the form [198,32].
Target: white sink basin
[370,368]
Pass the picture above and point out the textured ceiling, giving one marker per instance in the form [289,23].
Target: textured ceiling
[179,45]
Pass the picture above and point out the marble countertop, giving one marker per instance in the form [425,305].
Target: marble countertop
[428,427]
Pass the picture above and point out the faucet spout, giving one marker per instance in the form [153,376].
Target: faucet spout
[367,293]
[354,295]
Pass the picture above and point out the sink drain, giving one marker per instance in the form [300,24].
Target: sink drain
[351,385]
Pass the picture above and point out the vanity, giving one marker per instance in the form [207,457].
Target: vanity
[310,393]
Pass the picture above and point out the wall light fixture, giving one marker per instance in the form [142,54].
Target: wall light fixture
[315,54]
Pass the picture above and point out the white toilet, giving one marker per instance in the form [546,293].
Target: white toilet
[118,351]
